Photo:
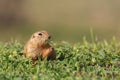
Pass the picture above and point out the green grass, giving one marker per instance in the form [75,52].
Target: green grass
[78,61]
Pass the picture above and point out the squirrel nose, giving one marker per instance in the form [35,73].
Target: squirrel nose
[49,37]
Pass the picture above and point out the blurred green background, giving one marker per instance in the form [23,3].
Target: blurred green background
[68,20]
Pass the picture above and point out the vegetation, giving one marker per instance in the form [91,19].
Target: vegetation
[78,61]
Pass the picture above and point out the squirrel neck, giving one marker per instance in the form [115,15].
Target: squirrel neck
[44,46]
[40,44]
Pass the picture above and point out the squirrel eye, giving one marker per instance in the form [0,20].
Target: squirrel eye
[40,34]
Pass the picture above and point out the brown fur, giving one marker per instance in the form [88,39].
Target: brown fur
[38,47]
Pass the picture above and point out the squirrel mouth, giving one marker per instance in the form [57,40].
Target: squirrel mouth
[47,41]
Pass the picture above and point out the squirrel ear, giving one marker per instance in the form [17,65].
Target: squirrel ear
[33,36]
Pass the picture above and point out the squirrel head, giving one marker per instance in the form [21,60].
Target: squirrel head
[40,37]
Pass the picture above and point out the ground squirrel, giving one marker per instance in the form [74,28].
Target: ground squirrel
[37,46]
